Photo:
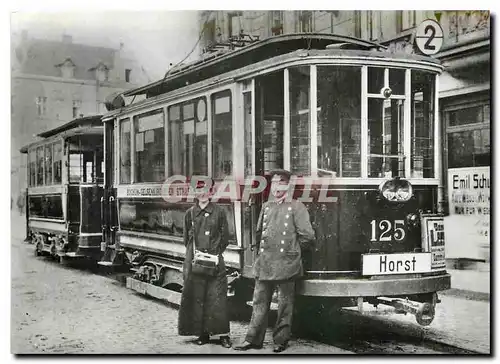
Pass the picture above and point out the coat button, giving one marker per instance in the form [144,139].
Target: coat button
[286,224]
[282,242]
[262,241]
[287,216]
[284,232]
[206,214]
[207,232]
[261,249]
[281,250]
[264,224]
[289,208]
[267,208]
[265,216]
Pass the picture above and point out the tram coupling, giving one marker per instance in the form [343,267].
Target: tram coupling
[424,311]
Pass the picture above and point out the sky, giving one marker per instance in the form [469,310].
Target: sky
[156,38]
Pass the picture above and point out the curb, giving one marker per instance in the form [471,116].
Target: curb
[466,294]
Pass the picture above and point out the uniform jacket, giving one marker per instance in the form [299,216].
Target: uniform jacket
[283,230]
[204,299]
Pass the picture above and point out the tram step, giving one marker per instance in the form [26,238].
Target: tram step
[71,255]
[106,264]
[154,291]
[273,307]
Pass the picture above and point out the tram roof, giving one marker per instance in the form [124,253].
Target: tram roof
[87,123]
[217,64]
[251,69]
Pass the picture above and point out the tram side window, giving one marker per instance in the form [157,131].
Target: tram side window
[188,138]
[39,166]
[222,134]
[57,162]
[32,167]
[422,124]
[48,164]
[125,162]
[300,120]
[339,121]
[150,147]
[75,167]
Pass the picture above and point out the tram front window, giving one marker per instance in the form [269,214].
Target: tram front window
[39,166]
[339,121]
[32,167]
[385,138]
[422,124]
[57,162]
[125,150]
[300,120]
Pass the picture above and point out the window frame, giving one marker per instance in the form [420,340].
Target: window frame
[212,101]
[134,120]
[448,129]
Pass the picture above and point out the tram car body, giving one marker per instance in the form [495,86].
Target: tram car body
[357,124]
[65,188]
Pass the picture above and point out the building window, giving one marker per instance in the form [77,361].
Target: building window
[67,71]
[102,74]
[305,22]
[76,108]
[222,134]
[235,23]
[276,22]
[127,75]
[406,19]
[41,104]
[149,147]
[209,33]
[469,136]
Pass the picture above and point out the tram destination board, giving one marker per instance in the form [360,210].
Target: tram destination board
[381,264]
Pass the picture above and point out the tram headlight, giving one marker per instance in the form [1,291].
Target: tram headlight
[396,190]
[413,220]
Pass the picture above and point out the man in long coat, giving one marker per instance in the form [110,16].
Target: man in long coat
[203,311]
[283,230]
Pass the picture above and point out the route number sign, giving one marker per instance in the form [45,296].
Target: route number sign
[429,37]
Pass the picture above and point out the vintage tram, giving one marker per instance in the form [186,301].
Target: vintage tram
[358,126]
[65,188]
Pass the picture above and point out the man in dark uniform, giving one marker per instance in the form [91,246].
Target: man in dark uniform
[283,229]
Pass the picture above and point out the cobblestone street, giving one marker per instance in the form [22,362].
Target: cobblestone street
[61,309]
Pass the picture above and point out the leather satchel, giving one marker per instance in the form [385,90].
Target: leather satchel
[203,263]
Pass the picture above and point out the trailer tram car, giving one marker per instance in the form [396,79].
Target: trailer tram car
[359,125]
[65,187]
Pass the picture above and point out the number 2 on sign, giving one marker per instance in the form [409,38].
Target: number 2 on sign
[385,231]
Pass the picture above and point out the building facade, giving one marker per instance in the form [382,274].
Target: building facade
[54,82]
[464,92]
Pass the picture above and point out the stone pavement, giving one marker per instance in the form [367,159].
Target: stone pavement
[59,309]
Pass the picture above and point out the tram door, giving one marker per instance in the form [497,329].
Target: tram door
[109,197]
[266,154]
